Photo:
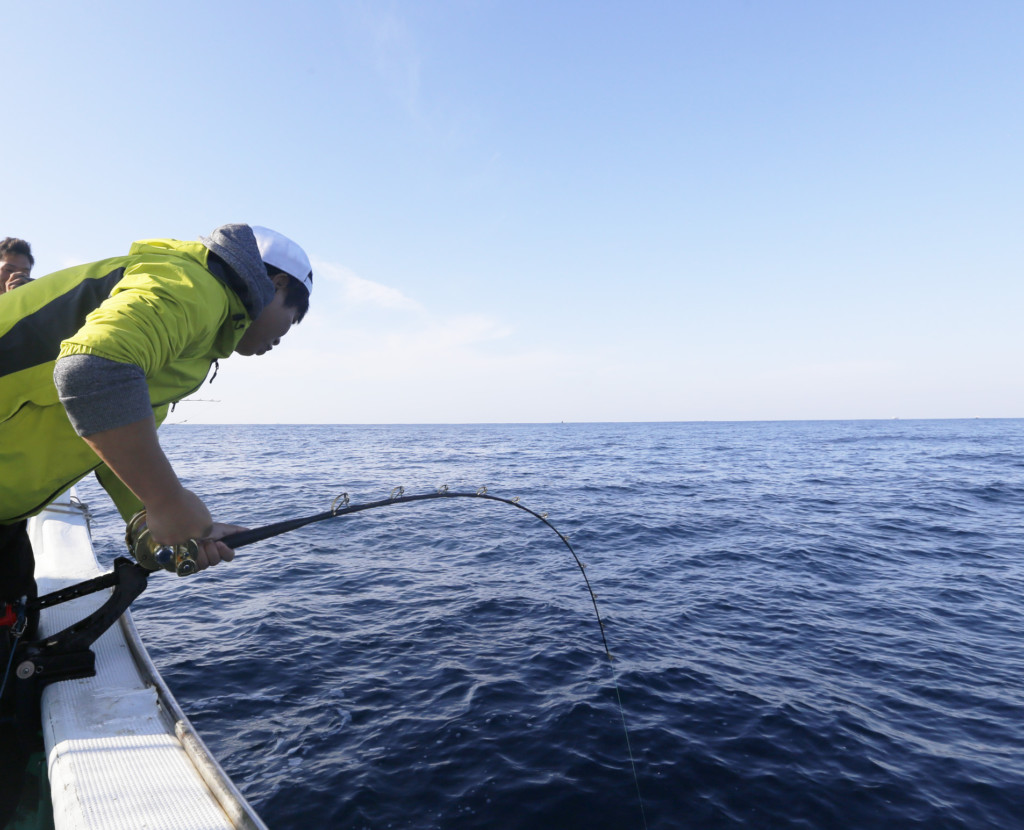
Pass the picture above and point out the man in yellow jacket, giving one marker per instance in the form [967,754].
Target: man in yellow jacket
[92,357]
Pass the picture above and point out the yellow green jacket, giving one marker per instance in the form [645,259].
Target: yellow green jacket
[160,308]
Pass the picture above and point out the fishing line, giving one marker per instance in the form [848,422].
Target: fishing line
[341,506]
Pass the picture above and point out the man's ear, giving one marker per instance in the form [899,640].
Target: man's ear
[280,281]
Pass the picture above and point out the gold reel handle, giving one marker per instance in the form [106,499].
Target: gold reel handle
[179,559]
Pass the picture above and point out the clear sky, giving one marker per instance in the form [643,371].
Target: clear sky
[546,211]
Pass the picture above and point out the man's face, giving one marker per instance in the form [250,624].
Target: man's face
[14,271]
[268,329]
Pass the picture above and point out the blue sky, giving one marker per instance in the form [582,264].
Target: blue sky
[580,211]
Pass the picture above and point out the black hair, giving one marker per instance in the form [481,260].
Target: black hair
[11,245]
[296,296]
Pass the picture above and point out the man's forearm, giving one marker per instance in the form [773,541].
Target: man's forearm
[108,405]
[134,453]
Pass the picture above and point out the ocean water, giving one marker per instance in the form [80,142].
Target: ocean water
[814,624]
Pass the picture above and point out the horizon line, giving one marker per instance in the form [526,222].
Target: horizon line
[568,423]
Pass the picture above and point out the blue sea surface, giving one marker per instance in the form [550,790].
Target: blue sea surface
[814,624]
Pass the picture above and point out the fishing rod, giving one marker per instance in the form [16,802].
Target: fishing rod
[181,559]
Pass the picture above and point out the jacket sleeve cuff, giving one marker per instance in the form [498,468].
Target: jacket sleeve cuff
[100,394]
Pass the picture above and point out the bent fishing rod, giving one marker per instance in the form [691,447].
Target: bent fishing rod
[129,580]
[181,558]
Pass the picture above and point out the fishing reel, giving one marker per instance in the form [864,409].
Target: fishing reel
[179,559]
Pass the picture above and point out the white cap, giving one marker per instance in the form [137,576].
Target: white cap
[278,250]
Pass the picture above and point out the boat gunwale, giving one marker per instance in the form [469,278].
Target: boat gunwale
[230,798]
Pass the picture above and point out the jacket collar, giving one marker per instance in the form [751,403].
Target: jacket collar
[235,260]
